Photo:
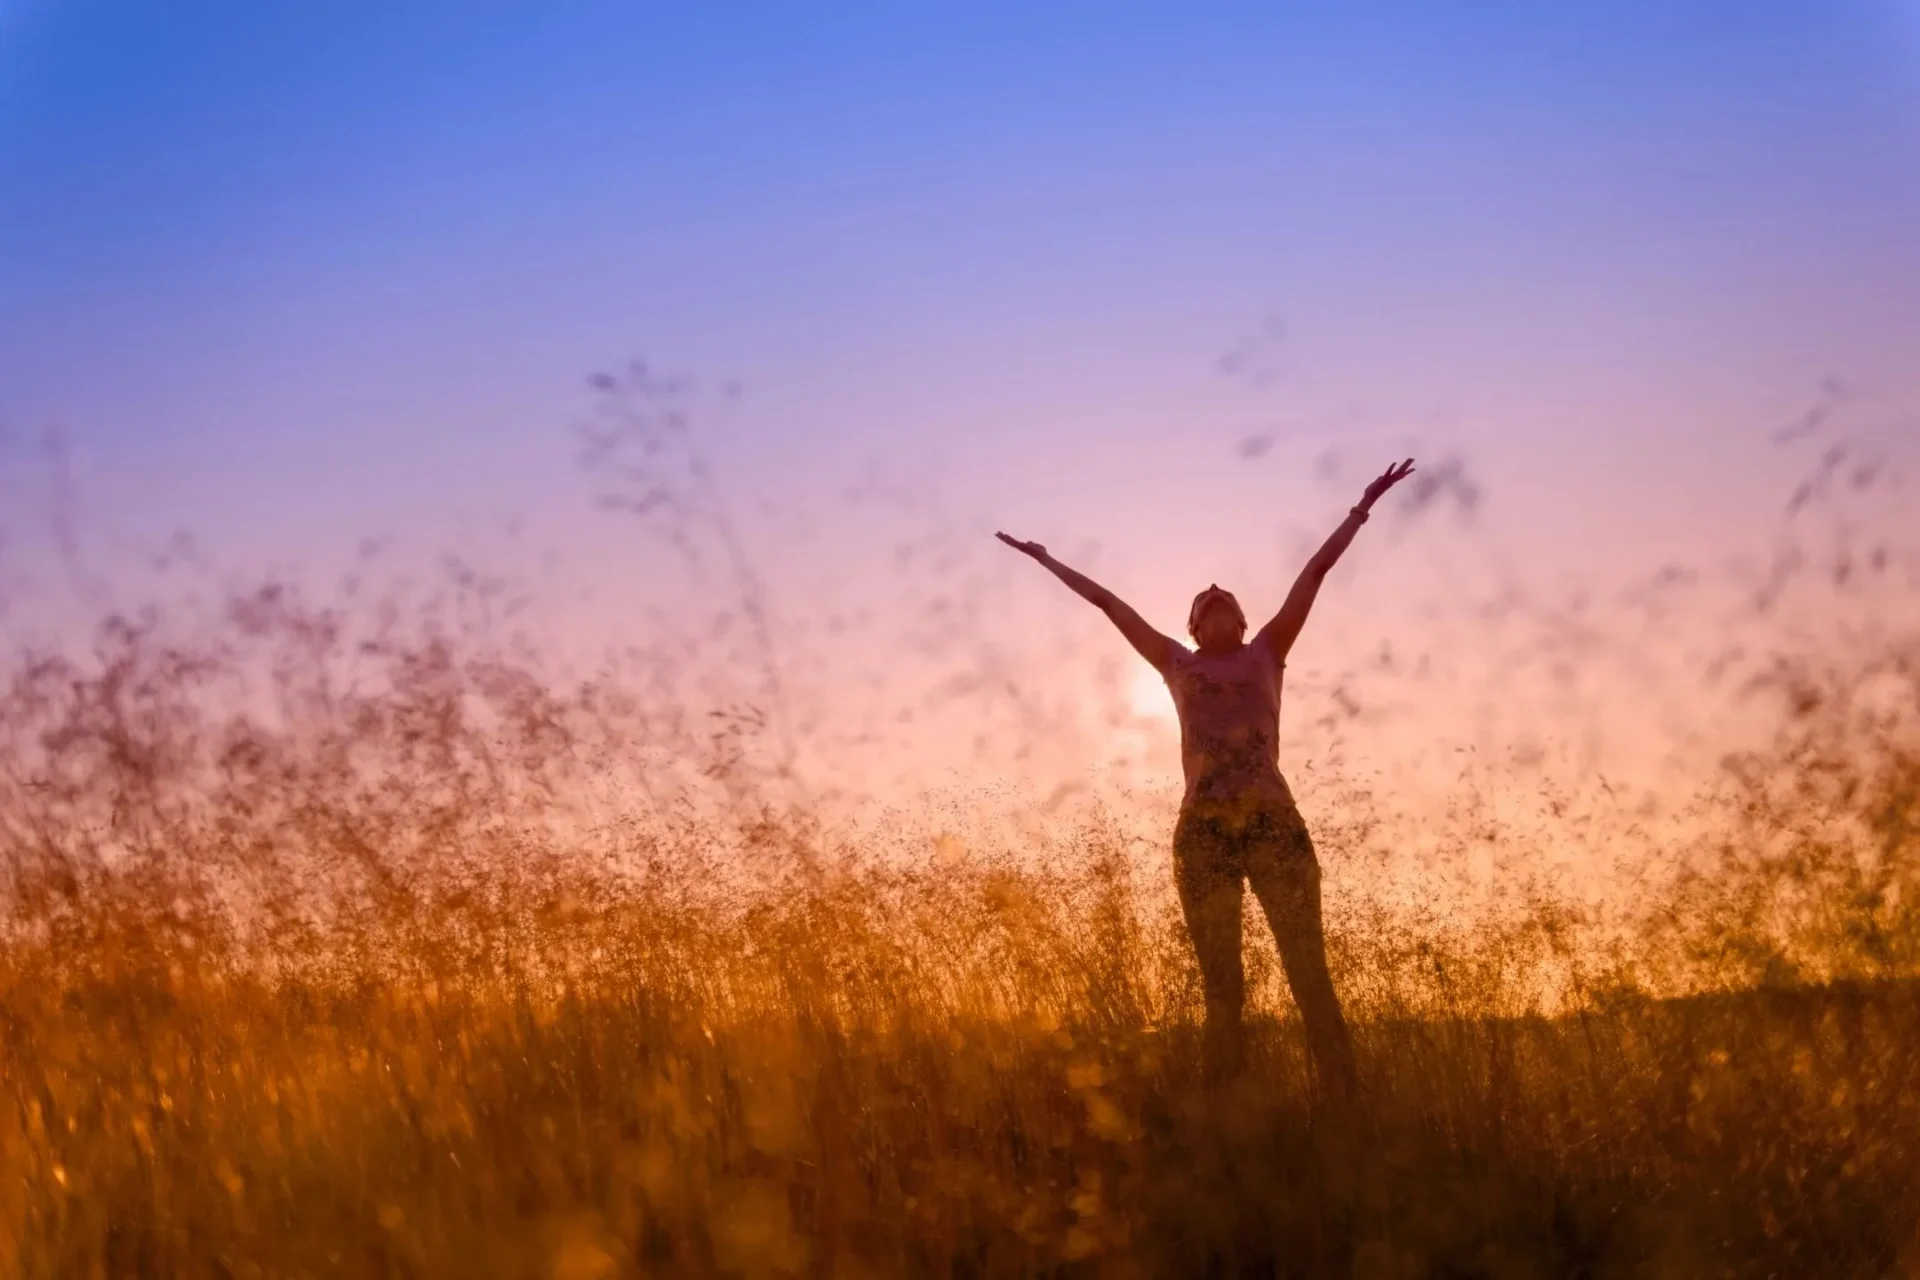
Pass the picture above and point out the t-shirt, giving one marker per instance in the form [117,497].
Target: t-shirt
[1229,708]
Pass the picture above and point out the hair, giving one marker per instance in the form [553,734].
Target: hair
[1193,614]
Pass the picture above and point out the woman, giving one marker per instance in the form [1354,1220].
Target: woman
[1238,822]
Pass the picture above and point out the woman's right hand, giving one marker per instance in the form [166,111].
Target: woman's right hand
[1033,549]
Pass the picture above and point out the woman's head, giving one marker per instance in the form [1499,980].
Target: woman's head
[1216,620]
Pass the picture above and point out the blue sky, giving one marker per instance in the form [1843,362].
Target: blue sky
[291,274]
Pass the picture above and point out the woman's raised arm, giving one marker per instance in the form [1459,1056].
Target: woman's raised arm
[1150,644]
[1284,627]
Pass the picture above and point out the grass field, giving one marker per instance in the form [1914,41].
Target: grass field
[324,987]
[824,1115]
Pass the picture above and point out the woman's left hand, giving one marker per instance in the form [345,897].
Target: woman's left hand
[1392,476]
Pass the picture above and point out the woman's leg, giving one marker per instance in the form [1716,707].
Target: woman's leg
[1209,880]
[1285,876]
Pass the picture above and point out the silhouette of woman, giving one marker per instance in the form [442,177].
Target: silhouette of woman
[1238,822]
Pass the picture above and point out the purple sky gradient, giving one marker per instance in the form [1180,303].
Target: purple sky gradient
[1119,279]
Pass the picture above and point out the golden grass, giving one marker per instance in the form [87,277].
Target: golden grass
[308,975]
[625,1088]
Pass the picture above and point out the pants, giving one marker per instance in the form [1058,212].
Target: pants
[1213,855]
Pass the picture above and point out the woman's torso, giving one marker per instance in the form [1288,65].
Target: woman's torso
[1229,709]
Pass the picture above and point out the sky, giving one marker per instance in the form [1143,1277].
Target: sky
[1160,286]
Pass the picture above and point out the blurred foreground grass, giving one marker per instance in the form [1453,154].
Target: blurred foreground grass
[686,1111]
[307,968]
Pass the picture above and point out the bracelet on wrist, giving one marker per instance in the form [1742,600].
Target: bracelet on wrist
[1359,511]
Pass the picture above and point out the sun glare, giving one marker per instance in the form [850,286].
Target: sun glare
[1148,696]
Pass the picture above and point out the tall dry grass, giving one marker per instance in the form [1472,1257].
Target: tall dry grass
[337,947]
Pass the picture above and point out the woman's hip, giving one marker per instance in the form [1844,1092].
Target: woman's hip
[1214,832]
